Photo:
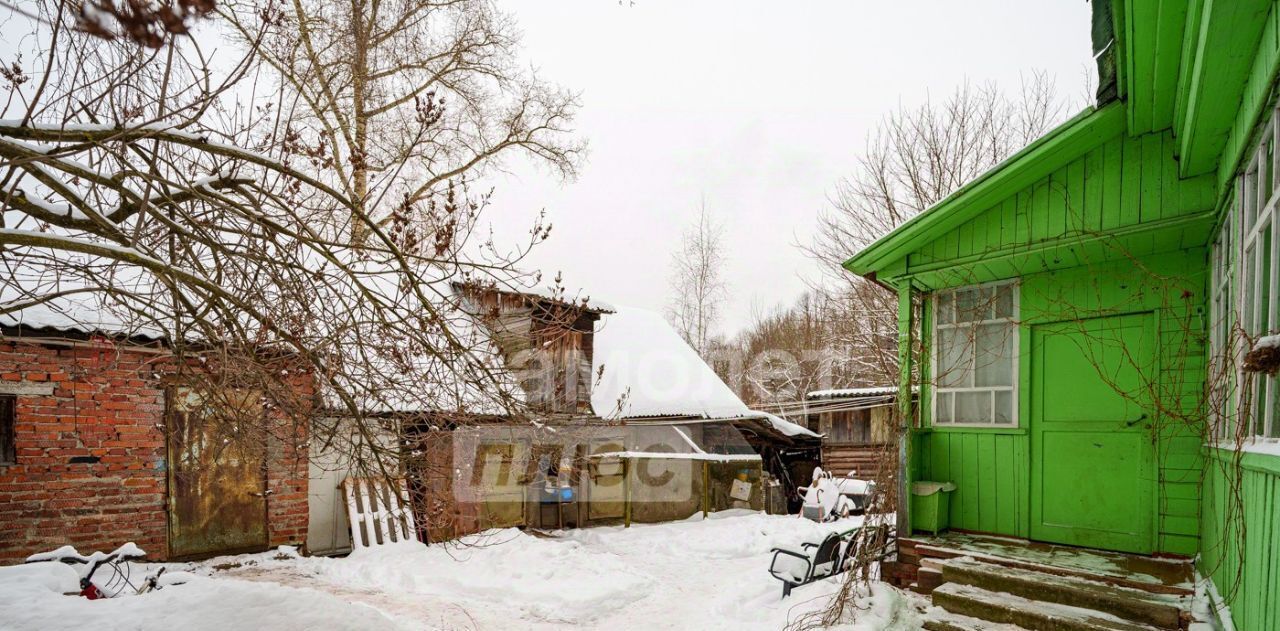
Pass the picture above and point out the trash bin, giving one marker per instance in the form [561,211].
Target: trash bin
[930,505]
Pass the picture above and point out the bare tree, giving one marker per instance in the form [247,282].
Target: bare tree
[783,355]
[912,161]
[149,24]
[139,195]
[697,282]
[401,103]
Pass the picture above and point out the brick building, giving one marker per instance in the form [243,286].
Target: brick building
[99,446]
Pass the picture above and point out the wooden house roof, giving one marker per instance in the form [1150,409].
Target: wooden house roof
[1190,80]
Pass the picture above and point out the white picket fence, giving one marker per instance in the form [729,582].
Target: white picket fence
[379,512]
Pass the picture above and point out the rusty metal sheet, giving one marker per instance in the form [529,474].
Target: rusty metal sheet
[501,491]
[217,479]
[605,482]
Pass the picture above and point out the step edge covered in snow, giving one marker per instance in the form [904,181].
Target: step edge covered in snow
[939,619]
[1034,615]
[1158,610]
[943,552]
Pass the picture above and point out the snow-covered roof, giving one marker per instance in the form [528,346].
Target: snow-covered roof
[873,391]
[381,375]
[649,371]
[555,293]
[62,303]
[577,298]
[786,427]
[75,316]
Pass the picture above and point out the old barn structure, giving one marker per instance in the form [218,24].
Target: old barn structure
[102,443]
[858,429]
[619,422]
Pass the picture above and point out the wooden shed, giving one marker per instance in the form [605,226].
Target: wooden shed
[857,428]
[620,422]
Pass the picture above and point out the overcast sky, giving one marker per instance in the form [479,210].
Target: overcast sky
[758,107]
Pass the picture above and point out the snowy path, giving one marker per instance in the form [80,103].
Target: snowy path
[697,574]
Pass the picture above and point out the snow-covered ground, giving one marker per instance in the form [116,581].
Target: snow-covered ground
[696,574]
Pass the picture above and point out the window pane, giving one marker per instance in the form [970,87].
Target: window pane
[1272,391]
[986,303]
[1247,305]
[1004,407]
[1004,301]
[973,407]
[1266,175]
[974,356]
[994,348]
[945,308]
[971,306]
[1264,285]
[1258,406]
[944,407]
[955,358]
[1250,199]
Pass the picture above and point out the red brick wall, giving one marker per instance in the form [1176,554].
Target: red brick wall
[107,402]
[287,476]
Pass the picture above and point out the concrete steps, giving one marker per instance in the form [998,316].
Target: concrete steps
[1033,615]
[1154,610]
[942,620]
[1161,576]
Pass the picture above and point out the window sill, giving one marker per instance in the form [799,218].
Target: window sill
[974,429]
[1266,447]
[1255,455]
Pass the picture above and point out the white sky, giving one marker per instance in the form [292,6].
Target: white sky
[760,107]
[756,107]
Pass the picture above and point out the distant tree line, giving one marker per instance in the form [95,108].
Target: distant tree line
[843,331]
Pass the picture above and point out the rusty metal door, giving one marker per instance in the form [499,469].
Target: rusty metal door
[495,477]
[217,477]
[606,499]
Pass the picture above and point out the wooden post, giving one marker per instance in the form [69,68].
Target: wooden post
[626,492]
[706,488]
[906,334]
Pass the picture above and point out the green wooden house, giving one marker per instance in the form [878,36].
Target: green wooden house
[1079,318]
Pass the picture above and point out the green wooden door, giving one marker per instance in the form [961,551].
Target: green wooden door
[1092,473]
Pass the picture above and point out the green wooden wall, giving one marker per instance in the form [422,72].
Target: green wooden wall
[1239,548]
[1173,286]
[1123,185]
[1112,231]
[1254,102]
[1240,516]
[1115,228]
[991,467]
[990,470]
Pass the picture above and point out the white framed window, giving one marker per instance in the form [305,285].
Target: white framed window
[975,353]
[1258,278]
[1245,296]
